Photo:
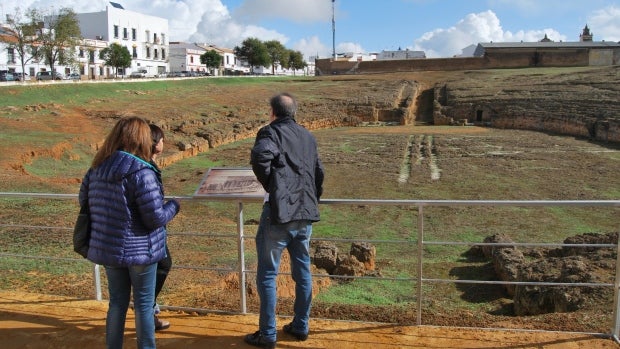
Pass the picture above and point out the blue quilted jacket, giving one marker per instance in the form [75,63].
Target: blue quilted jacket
[127,211]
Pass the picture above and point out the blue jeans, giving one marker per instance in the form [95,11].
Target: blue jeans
[120,283]
[271,239]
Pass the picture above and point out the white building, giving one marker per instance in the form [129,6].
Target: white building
[356,56]
[8,56]
[89,65]
[146,38]
[400,54]
[185,57]
[230,64]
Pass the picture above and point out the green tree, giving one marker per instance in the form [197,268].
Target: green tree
[277,53]
[254,52]
[211,59]
[116,56]
[22,38]
[296,60]
[58,36]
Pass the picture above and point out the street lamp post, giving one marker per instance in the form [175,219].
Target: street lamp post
[333,30]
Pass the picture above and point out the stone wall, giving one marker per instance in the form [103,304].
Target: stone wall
[329,67]
[603,57]
[573,104]
[518,58]
[519,117]
[495,58]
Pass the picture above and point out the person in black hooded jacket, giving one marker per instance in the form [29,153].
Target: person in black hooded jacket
[164,265]
[285,160]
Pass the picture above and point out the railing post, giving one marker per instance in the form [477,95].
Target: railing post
[241,254]
[616,321]
[97,278]
[420,254]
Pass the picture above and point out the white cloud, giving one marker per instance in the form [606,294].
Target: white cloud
[225,32]
[294,10]
[312,47]
[349,47]
[473,29]
[9,6]
[607,24]
[210,21]
[184,17]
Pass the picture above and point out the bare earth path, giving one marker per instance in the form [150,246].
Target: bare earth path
[34,321]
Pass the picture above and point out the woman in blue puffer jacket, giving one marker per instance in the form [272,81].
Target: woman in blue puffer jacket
[128,218]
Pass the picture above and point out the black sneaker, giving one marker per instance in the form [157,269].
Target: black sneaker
[256,339]
[289,329]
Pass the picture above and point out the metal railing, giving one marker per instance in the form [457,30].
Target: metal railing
[421,243]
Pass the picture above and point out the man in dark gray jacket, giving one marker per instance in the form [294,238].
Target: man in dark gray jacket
[285,161]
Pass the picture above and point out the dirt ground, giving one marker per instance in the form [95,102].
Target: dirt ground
[35,321]
[30,320]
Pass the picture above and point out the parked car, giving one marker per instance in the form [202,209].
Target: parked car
[21,76]
[47,75]
[176,74]
[142,73]
[138,74]
[6,76]
[74,76]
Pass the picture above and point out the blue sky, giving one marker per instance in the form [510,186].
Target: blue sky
[440,28]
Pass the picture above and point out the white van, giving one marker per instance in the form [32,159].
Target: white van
[142,73]
[47,75]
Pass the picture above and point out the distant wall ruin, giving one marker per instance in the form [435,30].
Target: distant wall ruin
[573,117]
[494,58]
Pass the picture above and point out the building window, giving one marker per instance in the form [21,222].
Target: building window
[116,31]
[11,54]
[191,59]
[163,39]
[91,56]
[135,52]
[148,52]
[155,38]
[134,34]
[147,35]
[155,53]
[81,53]
[163,53]
[125,34]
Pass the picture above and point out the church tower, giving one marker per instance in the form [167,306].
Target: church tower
[546,39]
[586,35]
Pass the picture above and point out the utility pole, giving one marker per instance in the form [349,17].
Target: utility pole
[333,30]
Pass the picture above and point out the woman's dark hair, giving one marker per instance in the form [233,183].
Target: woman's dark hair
[157,134]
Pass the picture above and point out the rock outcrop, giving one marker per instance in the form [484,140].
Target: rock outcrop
[568,264]
[360,261]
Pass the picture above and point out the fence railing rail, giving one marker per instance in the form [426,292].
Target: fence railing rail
[420,242]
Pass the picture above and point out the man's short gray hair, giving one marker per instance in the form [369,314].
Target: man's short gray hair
[283,105]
